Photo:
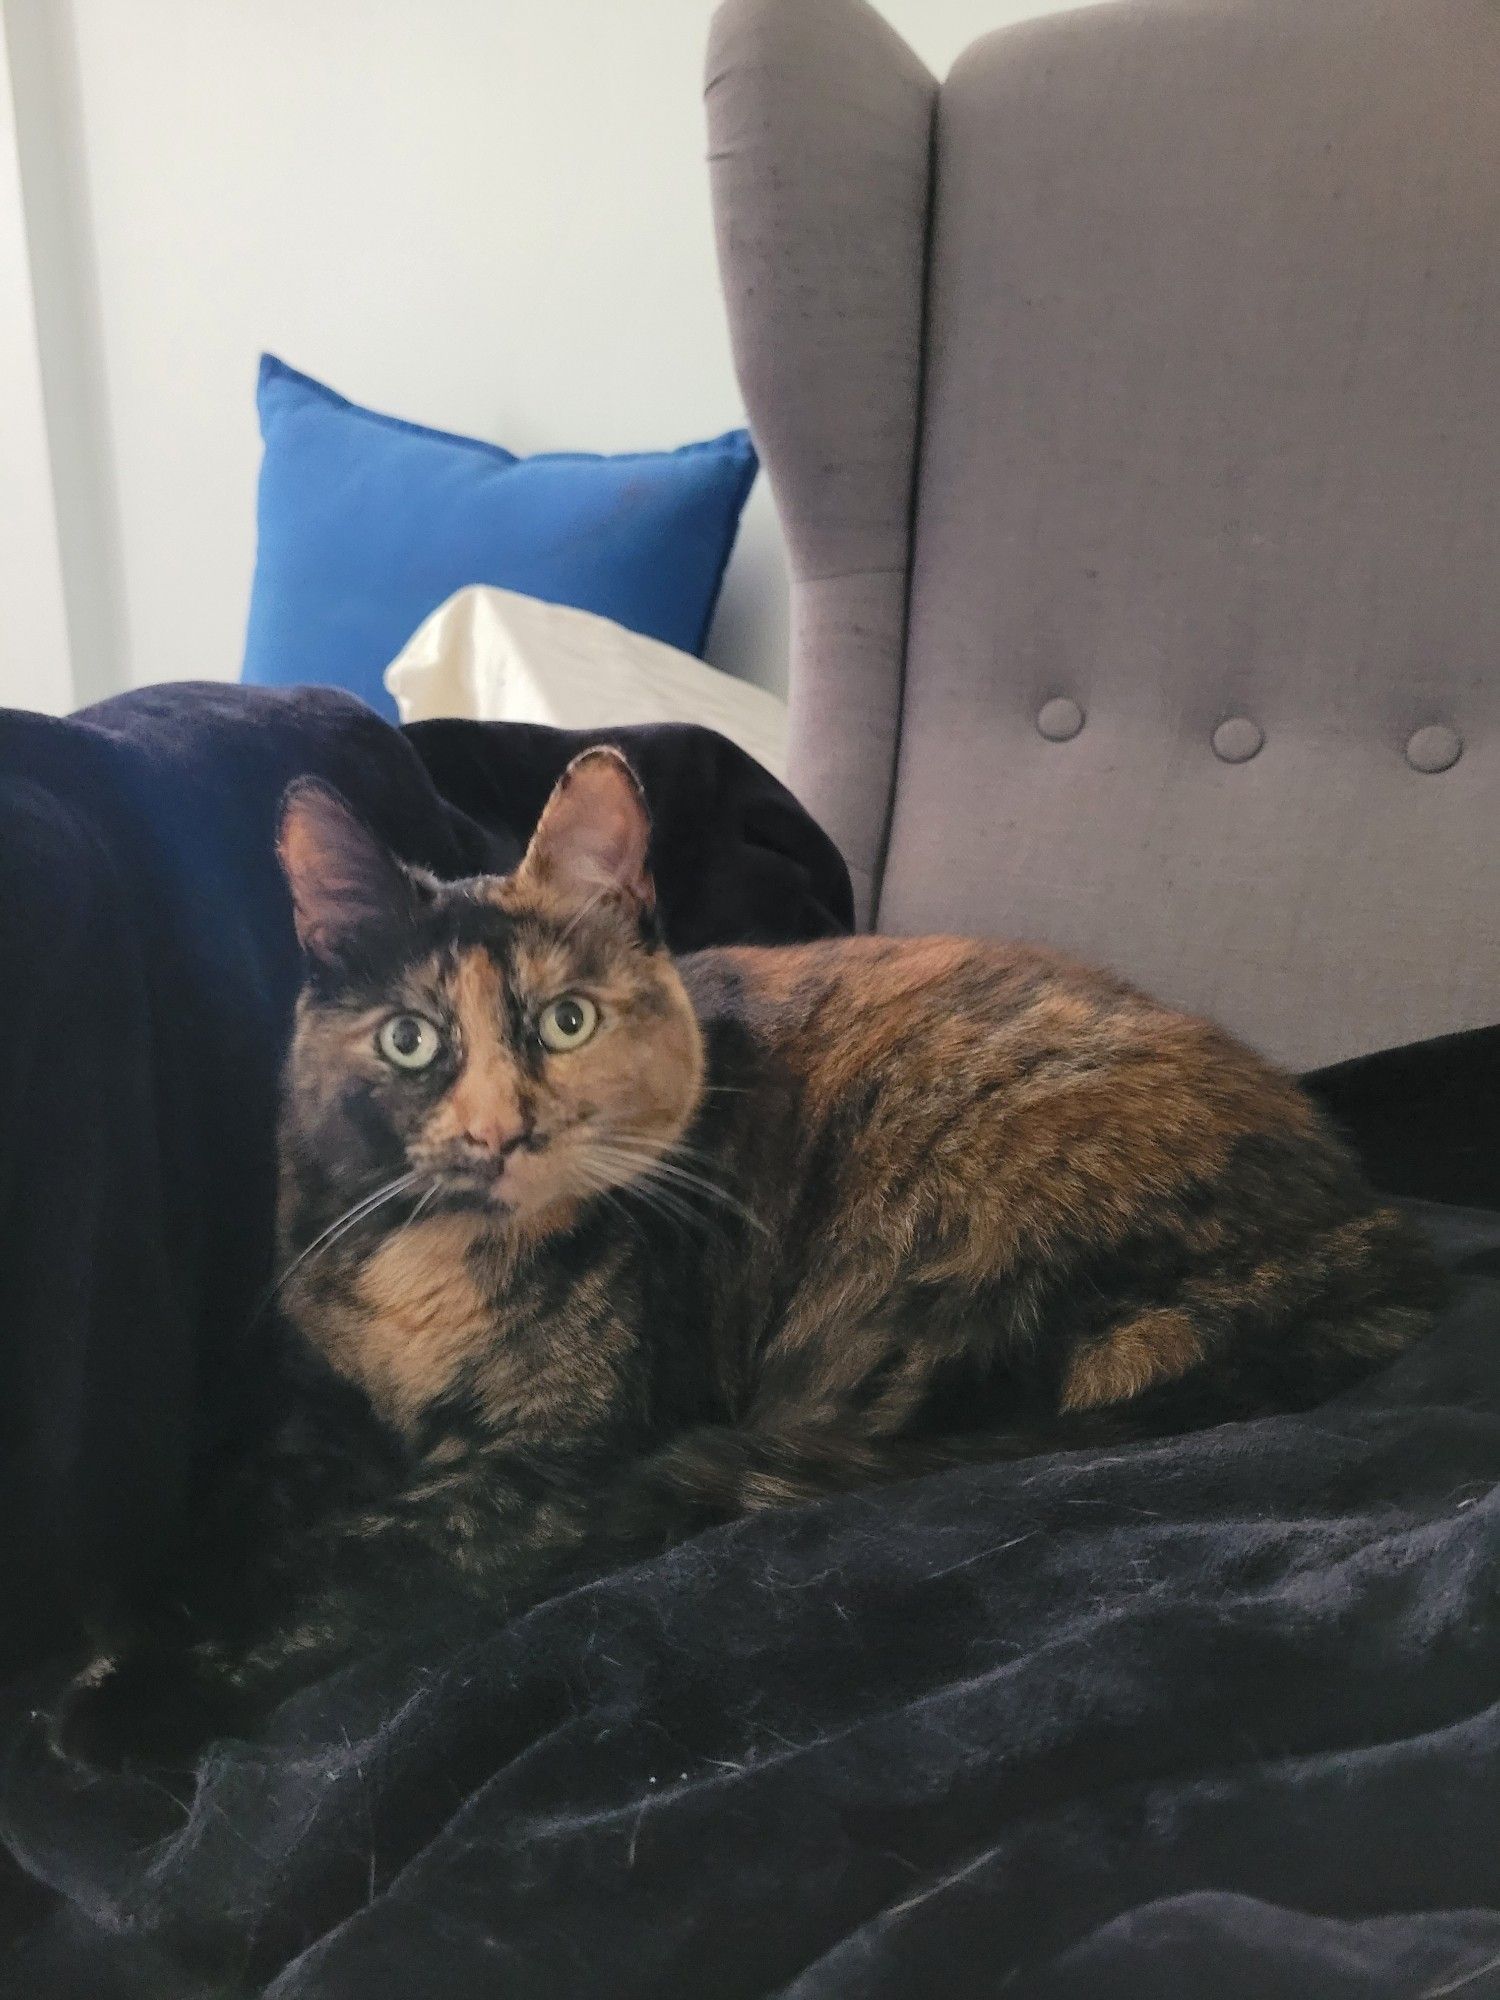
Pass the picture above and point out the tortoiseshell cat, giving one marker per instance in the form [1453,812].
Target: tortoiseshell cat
[615,1246]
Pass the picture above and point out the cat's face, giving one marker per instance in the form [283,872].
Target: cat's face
[518,1044]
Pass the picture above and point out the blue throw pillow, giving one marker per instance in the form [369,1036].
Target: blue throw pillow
[366,524]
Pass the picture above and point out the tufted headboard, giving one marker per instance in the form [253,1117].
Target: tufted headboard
[1132,405]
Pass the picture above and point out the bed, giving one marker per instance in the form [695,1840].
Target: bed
[1129,404]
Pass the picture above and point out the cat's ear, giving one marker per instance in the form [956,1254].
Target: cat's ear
[342,879]
[594,833]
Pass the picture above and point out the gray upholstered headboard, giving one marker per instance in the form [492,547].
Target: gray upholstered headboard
[1132,404]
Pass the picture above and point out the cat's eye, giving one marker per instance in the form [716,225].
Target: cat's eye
[409,1041]
[567,1023]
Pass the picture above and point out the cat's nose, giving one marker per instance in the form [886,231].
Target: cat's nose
[494,1138]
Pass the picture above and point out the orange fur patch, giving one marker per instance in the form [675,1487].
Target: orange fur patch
[485,1092]
[421,1317]
[1153,1347]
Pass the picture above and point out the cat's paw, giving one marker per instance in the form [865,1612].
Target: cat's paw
[149,1711]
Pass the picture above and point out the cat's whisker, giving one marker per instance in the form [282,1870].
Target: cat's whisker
[625,1171]
[668,1184]
[653,1163]
[699,1184]
[592,1187]
[624,1177]
[671,1150]
[350,1223]
[678,1152]
[728,1210]
[424,1201]
[351,1217]
[595,1187]
[661,1203]
[667,1198]
[642,1168]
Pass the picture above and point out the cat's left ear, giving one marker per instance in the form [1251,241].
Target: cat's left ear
[343,880]
[594,834]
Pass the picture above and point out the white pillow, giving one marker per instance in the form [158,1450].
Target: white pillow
[496,656]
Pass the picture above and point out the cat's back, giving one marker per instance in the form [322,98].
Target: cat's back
[974,1115]
[947,1009]
[1022,1077]
[780,988]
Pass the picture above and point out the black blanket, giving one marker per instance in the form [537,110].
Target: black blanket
[1216,1716]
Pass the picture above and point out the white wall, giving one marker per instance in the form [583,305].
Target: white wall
[490,215]
[33,618]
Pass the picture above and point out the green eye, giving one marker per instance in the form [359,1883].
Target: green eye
[409,1041]
[567,1023]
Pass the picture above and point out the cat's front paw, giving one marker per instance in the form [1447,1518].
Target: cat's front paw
[148,1711]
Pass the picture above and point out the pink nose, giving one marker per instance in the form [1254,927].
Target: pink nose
[490,1136]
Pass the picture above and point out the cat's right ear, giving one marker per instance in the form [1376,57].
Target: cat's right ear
[342,879]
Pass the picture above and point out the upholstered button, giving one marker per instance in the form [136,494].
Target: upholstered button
[1237,739]
[1059,719]
[1434,748]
